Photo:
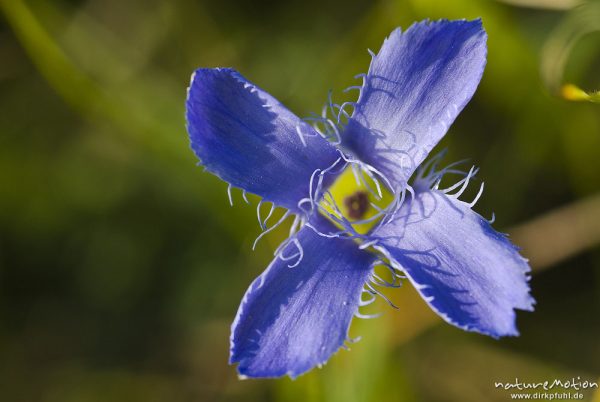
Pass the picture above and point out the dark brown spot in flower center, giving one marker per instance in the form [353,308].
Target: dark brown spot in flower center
[357,204]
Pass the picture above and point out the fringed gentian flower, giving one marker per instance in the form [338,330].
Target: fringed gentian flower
[297,313]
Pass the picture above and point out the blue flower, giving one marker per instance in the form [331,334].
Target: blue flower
[297,313]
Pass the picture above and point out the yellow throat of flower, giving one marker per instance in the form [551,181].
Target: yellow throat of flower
[356,197]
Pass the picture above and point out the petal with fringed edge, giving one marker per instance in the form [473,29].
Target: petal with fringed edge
[417,84]
[468,273]
[293,319]
[250,140]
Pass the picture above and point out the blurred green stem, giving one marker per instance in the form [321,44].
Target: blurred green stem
[70,83]
[543,4]
[561,233]
[124,110]
[577,24]
[73,85]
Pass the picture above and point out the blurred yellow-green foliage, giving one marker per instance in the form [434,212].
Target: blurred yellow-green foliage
[122,264]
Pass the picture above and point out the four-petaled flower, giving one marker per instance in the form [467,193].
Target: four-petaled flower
[297,313]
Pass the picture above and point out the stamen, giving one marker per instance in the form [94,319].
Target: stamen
[342,111]
[299,255]
[367,316]
[260,222]
[353,340]
[296,224]
[465,183]
[350,88]
[300,134]
[384,297]
[367,302]
[267,230]
[368,244]
[355,172]
[229,194]
[273,207]
[472,204]
[330,103]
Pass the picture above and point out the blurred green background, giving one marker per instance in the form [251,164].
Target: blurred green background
[122,264]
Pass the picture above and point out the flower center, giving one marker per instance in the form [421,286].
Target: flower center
[356,199]
[357,204]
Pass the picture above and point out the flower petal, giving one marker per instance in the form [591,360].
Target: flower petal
[250,140]
[471,275]
[416,86]
[292,319]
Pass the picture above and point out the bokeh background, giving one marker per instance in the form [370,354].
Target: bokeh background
[122,263]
